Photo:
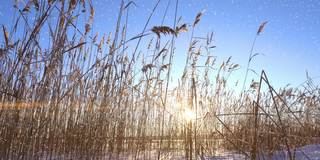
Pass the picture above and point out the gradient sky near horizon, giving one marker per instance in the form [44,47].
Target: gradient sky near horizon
[290,43]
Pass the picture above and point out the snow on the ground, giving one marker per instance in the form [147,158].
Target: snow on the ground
[311,152]
[304,153]
[307,152]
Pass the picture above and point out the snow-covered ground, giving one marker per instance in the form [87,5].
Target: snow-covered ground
[228,156]
[311,152]
[304,153]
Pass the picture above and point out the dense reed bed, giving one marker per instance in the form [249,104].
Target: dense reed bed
[81,95]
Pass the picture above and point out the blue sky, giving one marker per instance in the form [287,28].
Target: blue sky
[290,42]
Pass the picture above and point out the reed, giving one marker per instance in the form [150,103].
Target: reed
[81,95]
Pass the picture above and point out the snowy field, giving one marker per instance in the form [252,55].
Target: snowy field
[311,152]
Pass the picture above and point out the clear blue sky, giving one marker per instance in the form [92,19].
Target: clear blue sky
[290,42]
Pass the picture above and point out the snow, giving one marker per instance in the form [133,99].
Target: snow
[311,152]
[308,152]
[304,153]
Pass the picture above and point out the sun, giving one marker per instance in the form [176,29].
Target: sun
[189,115]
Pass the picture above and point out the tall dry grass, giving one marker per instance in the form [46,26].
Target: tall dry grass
[81,95]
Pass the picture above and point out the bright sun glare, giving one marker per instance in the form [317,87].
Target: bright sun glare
[189,115]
